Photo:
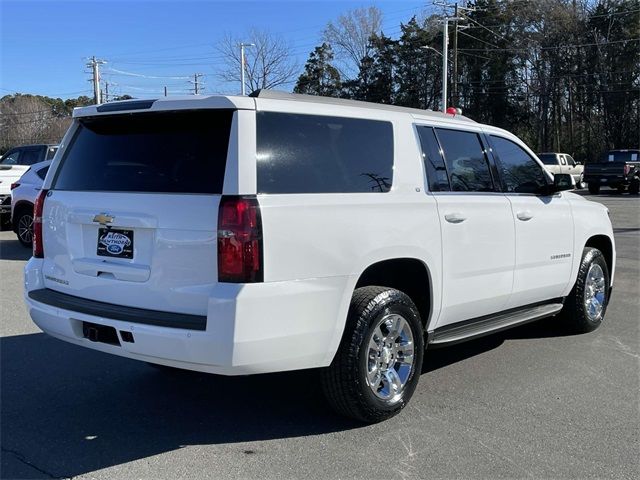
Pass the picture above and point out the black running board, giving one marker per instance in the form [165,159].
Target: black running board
[470,329]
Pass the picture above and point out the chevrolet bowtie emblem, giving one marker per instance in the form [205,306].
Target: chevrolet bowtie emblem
[103,218]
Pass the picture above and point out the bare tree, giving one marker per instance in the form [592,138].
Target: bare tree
[268,63]
[349,37]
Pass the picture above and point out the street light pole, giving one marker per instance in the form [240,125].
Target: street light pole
[445,46]
[242,62]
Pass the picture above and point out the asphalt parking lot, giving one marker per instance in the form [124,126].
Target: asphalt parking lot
[527,403]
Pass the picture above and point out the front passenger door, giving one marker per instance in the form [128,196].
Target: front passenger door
[543,225]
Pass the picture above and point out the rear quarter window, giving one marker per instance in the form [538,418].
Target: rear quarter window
[42,173]
[323,154]
[165,152]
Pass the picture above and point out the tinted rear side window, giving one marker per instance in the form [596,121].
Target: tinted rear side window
[42,173]
[433,161]
[322,154]
[466,161]
[171,152]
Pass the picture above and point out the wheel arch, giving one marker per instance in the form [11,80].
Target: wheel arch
[409,275]
[22,204]
[605,245]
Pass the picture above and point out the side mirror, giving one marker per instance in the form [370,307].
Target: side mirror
[563,181]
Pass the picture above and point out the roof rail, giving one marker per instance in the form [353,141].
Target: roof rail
[297,97]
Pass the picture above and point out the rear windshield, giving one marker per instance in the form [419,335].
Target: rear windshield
[548,158]
[617,156]
[168,152]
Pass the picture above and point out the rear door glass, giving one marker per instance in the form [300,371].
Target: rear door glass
[172,152]
[466,161]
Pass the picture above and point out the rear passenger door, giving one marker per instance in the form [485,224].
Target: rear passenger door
[543,224]
[478,238]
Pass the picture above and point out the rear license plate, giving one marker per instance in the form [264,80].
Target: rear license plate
[114,242]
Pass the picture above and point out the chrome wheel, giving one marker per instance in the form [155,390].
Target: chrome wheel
[25,228]
[594,292]
[390,357]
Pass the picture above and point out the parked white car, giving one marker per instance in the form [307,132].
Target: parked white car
[23,197]
[13,164]
[242,235]
[564,163]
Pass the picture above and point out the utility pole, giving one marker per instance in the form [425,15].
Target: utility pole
[242,62]
[196,83]
[106,92]
[94,63]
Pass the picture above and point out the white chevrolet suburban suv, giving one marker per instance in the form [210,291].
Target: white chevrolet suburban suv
[242,235]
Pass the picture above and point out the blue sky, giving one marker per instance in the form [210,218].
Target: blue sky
[45,44]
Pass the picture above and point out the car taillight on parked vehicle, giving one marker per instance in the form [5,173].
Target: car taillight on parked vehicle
[14,185]
[38,250]
[239,240]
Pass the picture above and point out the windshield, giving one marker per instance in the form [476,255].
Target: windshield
[173,152]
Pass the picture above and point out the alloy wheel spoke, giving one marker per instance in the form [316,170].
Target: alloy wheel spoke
[395,384]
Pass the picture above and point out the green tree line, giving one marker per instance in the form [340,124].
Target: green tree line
[564,75]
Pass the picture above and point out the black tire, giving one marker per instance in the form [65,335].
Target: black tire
[344,382]
[594,188]
[574,313]
[580,184]
[634,186]
[23,220]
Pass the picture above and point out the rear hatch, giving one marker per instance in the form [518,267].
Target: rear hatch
[131,215]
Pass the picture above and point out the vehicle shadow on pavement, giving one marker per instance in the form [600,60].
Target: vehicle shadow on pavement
[13,250]
[68,411]
[436,358]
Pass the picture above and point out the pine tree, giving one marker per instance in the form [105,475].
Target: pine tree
[320,77]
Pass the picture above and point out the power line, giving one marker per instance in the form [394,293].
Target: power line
[132,74]
[550,48]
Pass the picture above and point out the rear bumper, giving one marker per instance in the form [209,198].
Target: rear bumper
[253,328]
[607,180]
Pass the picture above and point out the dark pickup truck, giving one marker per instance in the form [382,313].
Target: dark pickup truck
[619,169]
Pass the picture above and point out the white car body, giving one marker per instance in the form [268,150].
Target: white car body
[23,195]
[24,157]
[485,252]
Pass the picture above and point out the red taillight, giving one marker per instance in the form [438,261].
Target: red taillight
[14,185]
[38,250]
[239,240]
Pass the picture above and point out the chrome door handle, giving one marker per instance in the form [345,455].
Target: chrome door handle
[455,217]
[524,215]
